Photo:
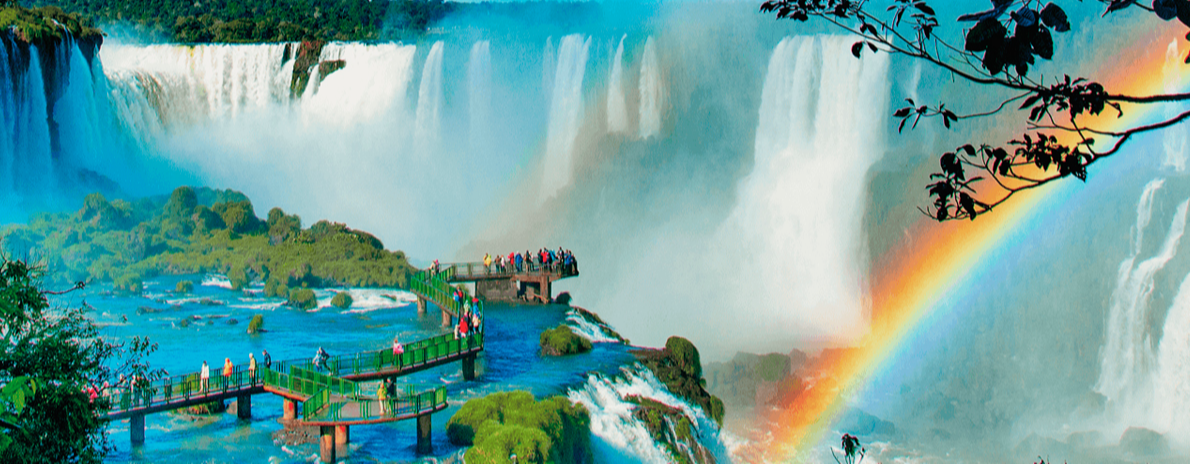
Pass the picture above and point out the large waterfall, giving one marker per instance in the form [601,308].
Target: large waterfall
[429,100]
[566,112]
[617,113]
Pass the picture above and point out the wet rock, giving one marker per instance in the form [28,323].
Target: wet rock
[1144,442]
[294,434]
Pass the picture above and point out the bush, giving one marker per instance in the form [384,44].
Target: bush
[342,300]
[562,341]
[256,325]
[184,287]
[303,299]
[129,283]
[238,278]
[553,430]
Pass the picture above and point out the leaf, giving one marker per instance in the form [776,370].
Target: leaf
[856,48]
[924,8]
[986,33]
[902,112]
[1165,9]
[1183,13]
[1043,44]
[1025,17]
[1117,5]
[969,149]
[872,47]
[1053,16]
[1030,101]
[968,205]
[941,214]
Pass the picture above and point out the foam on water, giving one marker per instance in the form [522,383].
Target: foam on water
[216,280]
[586,328]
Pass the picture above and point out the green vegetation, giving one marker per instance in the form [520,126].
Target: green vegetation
[241,21]
[256,324]
[670,427]
[678,365]
[303,299]
[60,351]
[552,430]
[562,341]
[342,300]
[184,287]
[202,231]
[41,25]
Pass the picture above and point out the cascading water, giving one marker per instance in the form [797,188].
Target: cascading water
[651,92]
[1128,352]
[32,163]
[479,92]
[1176,150]
[799,209]
[1171,379]
[566,112]
[429,100]
[617,111]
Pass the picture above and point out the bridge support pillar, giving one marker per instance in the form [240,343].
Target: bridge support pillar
[423,434]
[342,435]
[290,409]
[326,444]
[421,307]
[469,368]
[244,406]
[447,321]
[136,429]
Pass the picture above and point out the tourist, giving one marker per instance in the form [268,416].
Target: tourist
[228,369]
[475,322]
[519,262]
[268,361]
[434,268]
[464,326]
[204,375]
[398,349]
[511,263]
[382,394]
[252,368]
[320,359]
[487,262]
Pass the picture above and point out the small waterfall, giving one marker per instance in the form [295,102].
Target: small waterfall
[312,83]
[651,92]
[617,111]
[566,112]
[479,92]
[619,437]
[372,83]
[593,331]
[799,210]
[33,166]
[549,66]
[429,100]
[1127,356]
[1171,381]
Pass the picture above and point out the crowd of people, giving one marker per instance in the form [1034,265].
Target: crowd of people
[560,260]
[137,390]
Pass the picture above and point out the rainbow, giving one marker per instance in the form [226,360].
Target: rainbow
[939,261]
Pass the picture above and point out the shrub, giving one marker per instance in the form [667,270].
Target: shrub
[129,283]
[184,287]
[562,341]
[342,300]
[303,299]
[238,278]
[553,430]
[256,325]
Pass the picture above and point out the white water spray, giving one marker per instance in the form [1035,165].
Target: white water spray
[479,87]
[652,92]
[429,100]
[566,112]
[617,111]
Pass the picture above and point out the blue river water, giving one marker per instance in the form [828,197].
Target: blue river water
[218,329]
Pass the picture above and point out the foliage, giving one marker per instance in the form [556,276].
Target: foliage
[552,430]
[240,21]
[678,365]
[61,349]
[1062,138]
[303,299]
[341,300]
[161,236]
[670,427]
[562,341]
[46,24]
[256,324]
[184,287]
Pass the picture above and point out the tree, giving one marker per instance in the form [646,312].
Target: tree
[62,353]
[999,47]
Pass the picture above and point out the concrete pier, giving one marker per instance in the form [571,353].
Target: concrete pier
[423,435]
[469,368]
[421,307]
[326,444]
[244,406]
[342,435]
[136,429]
[290,409]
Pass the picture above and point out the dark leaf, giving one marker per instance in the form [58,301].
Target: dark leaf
[1025,17]
[968,204]
[993,59]
[1053,16]
[901,128]
[872,47]
[924,8]
[857,48]
[941,214]
[1165,9]
[969,149]
[868,29]
[902,112]
[984,35]
[1117,5]
[1043,44]
[1030,101]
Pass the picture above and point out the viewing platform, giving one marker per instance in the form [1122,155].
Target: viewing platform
[531,282]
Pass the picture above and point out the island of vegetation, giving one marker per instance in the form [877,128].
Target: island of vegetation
[561,340]
[202,230]
[553,430]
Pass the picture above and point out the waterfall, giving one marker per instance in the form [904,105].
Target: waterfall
[372,83]
[617,112]
[479,92]
[548,68]
[429,100]
[651,92]
[797,220]
[566,112]
[1171,381]
[1127,355]
[33,164]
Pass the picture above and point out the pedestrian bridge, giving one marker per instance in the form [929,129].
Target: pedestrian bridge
[531,282]
[332,398]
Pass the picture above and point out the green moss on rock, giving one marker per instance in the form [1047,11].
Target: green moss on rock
[256,325]
[184,287]
[341,300]
[679,366]
[552,430]
[562,341]
[303,299]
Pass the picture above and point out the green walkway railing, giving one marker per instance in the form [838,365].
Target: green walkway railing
[411,404]
[179,388]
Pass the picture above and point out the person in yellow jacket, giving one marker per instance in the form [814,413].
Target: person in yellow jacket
[228,369]
[487,261]
[382,394]
[252,367]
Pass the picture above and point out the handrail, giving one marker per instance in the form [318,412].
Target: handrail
[474,270]
[370,408]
